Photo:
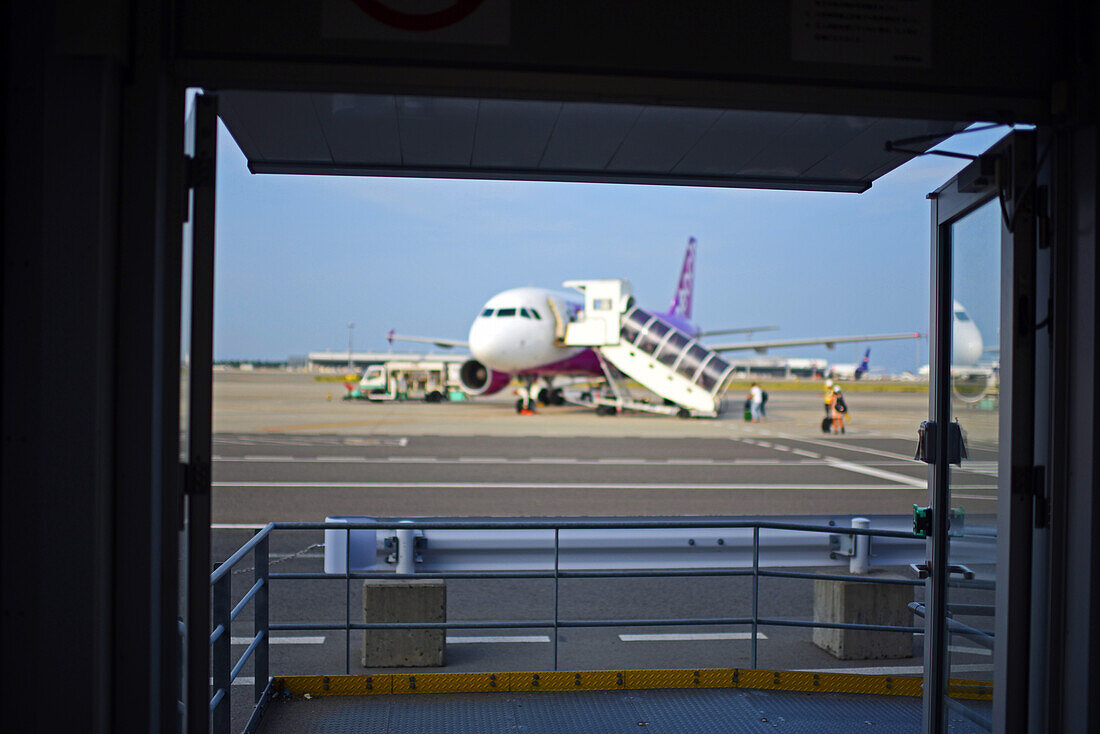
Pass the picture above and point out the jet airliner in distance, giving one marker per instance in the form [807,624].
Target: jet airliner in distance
[525,333]
[852,371]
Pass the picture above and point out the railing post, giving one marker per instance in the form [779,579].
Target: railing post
[860,562]
[261,615]
[755,589]
[557,555]
[220,602]
[347,603]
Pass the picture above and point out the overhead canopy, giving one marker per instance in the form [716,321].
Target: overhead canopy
[439,137]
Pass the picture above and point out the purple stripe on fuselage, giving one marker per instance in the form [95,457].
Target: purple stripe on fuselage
[584,362]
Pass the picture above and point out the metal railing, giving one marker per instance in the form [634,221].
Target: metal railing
[225,671]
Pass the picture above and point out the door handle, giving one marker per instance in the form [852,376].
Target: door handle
[923,571]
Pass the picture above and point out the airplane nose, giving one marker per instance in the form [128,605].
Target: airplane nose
[495,346]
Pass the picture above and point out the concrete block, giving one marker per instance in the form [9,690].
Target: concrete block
[854,602]
[404,601]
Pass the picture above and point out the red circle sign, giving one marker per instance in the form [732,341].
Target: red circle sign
[418,21]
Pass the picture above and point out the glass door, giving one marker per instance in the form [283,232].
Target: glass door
[978,442]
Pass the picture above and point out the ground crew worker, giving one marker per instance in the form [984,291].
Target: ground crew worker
[828,399]
[840,410]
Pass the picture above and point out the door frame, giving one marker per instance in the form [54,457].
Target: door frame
[1005,172]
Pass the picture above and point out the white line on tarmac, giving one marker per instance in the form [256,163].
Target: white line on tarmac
[879,473]
[691,636]
[807,454]
[987,497]
[536,485]
[502,638]
[847,447]
[317,640]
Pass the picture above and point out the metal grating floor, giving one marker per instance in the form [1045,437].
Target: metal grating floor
[602,712]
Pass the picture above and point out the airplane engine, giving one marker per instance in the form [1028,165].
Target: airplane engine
[973,386]
[477,379]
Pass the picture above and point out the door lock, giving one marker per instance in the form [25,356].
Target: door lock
[926,443]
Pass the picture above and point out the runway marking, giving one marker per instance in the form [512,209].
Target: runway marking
[317,640]
[763,444]
[503,638]
[988,498]
[690,636]
[539,485]
[879,473]
[557,461]
[338,424]
[781,447]
[847,447]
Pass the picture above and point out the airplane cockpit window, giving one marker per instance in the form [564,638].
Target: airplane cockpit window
[487,312]
[535,314]
[501,312]
[524,314]
[961,316]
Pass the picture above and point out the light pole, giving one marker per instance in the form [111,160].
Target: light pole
[351,325]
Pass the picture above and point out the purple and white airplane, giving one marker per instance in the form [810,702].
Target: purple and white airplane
[519,333]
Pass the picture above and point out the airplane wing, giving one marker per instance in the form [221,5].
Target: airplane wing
[444,343]
[829,342]
[742,330]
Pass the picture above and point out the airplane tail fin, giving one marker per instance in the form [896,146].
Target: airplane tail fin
[864,365]
[681,301]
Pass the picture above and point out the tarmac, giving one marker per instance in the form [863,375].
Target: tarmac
[289,448]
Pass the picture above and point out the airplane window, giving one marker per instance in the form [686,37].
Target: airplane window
[535,314]
[487,312]
[672,348]
[506,312]
[961,316]
[630,331]
[524,314]
[601,304]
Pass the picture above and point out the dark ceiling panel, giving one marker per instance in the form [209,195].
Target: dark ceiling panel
[733,141]
[586,136]
[360,128]
[280,126]
[513,134]
[436,132]
[661,137]
[384,135]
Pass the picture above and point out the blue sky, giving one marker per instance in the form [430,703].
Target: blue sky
[298,257]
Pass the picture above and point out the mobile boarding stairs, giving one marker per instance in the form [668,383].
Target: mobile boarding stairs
[634,344]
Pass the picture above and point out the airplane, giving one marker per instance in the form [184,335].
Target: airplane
[851,371]
[521,333]
[971,377]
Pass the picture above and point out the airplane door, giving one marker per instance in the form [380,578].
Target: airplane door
[197,307]
[978,444]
